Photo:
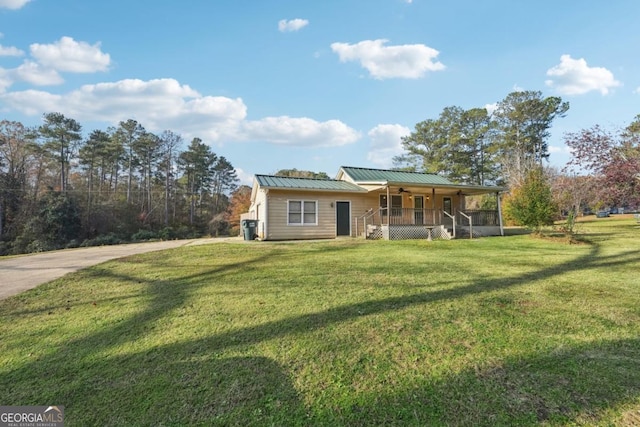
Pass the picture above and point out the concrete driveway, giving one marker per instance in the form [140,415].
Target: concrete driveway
[17,274]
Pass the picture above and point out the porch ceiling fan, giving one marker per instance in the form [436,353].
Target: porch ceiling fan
[402,190]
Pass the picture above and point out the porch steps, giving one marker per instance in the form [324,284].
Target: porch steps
[374,232]
[441,233]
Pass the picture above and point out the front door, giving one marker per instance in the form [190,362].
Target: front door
[447,206]
[396,208]
[343,218]
[418,209]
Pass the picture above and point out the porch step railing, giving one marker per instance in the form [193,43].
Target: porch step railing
[470,221]
[453,222]
[368,221]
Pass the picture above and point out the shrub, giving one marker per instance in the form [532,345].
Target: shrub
[104,240]
[142,235]
[531,205]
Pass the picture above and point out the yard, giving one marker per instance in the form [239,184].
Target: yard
[493,331]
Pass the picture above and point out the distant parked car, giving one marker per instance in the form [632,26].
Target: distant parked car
[602,214]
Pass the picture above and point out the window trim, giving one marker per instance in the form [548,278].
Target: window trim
[302,213]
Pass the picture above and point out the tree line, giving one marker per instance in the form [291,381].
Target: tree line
[60,189]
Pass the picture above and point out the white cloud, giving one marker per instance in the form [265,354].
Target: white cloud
[5,80]
[13,4]
[637,90]
[409,61]
[48,59]
[10,51]
[32,102]
[166,104]
[36,74]
[244,177]
[157,104]
[300,131]
[575,77]
[69,55]
[297,24]
[386,142]
[30,72]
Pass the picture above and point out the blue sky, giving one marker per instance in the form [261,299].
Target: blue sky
[313,84]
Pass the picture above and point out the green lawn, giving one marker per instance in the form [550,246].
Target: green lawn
[494,331]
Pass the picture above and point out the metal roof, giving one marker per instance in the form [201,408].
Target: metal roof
[291,183]
[383,176]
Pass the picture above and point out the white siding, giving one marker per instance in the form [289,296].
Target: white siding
[278,229]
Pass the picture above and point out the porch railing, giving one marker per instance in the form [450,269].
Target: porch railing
[479,217]
[430,217]
[465,220]
[409,216]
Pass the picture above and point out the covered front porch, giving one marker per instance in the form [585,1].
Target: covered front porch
[428,213]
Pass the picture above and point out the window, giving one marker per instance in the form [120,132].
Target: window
[396,204]
[383,204]
[302,212]
[447,205]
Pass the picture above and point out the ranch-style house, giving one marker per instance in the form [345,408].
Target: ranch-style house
[369,203]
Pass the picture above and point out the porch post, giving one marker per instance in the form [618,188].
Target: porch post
[500,214]
[433,205]
[388,206]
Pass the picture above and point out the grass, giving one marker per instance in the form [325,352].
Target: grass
[494,331]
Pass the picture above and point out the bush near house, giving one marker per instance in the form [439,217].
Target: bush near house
[531,205]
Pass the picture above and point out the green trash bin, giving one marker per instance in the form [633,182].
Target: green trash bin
[249,227]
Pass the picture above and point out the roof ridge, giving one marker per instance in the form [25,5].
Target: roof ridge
[311,184]
[388,170]
[296,177]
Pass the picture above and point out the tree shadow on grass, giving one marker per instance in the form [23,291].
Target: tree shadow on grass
[152,389]
[189,383]
[568,386]
[159,387]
